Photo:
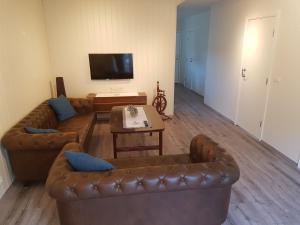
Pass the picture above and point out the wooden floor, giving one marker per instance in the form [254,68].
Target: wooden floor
[268,192]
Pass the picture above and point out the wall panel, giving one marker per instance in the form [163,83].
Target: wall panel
[145,28]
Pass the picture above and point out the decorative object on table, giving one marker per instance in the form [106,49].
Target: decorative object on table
[132,110]
[134,117]
[160,102]
[60,87]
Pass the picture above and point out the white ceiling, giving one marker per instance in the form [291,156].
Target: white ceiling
[191,7]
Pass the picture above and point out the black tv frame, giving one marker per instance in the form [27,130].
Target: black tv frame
[105,62]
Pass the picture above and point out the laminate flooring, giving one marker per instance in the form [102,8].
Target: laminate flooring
[268,192]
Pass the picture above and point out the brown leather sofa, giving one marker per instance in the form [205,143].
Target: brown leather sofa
[191,189]
[32,155]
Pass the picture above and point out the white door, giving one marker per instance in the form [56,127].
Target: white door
[178,58]
[257,59]
[187,72]
[187,47]
[198,75]
[194,48]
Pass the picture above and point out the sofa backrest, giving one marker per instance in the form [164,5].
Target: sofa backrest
[41,117]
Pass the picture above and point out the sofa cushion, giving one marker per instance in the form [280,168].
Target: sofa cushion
[31,130]
[62,107]
[81,124]
[86,163]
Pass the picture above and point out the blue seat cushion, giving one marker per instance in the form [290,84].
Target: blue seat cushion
[62,108]
[84,162]
[31,130]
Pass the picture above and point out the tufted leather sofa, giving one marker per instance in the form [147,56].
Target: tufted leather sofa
[32,155]
[191,189]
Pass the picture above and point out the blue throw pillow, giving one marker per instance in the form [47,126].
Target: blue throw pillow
[62,107]
[31,130]
[86,163]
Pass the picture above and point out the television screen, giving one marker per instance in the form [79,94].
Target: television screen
[111,66]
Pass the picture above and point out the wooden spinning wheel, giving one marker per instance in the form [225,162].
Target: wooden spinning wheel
[160,102]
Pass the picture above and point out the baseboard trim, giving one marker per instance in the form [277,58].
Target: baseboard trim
[280,154]
[220,114]
[4,187]
[5,172]
[263,143]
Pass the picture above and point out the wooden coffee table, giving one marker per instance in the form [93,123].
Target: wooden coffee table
[157,125]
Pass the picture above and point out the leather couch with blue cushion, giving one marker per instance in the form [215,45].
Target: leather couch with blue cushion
[192,189]
[32,155]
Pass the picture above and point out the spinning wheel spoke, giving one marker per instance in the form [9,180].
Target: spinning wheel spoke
[160,103]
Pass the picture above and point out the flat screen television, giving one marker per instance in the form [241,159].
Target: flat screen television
[111,66]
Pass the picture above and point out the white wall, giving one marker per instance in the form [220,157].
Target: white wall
[194,32]
[145,28]
[228,18]
[24,67]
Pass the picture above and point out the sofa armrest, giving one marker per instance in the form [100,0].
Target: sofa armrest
[203,149]
[82,105]
[21,141]
[64,184]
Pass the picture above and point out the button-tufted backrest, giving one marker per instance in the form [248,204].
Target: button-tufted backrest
[82,105]
[41,117]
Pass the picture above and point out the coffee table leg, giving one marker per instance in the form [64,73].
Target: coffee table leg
[115,136]
[160,142]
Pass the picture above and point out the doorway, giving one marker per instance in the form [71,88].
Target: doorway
[192,48]
[256,72]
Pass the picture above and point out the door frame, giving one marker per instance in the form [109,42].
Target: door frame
[178,33]
[277,16]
